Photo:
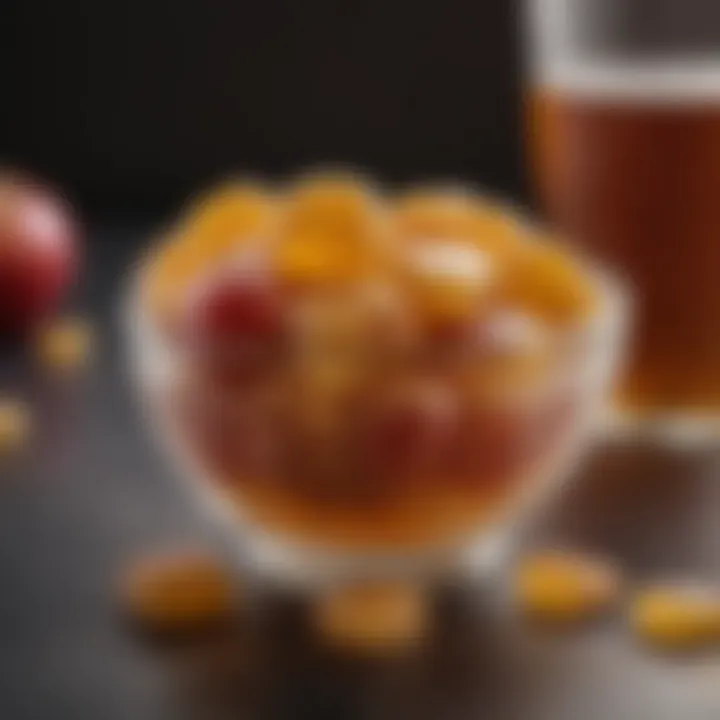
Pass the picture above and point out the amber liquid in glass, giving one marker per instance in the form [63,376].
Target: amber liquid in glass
[635,178]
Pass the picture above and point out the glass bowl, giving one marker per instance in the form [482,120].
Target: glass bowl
[424,532]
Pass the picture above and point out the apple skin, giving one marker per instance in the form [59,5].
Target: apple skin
[38,253]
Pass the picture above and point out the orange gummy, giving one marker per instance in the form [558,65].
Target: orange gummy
[65,344]
[210,232]
[227,216]
[676,616]
[447,214]
[546,279]
[330,233]
[173,266]
[449,281]
[373,618]
[177,591]
[562,586]
[517,355]
[320,257]
[15,424]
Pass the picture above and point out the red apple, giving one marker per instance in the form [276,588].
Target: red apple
[38,252]
[235,319]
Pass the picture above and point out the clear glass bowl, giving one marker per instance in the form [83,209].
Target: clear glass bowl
[423,535]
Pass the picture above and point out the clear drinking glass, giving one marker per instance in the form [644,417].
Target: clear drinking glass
[624,136]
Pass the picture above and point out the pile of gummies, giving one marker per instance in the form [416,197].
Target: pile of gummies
[367,352]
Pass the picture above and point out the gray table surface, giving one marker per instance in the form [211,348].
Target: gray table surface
[91,494]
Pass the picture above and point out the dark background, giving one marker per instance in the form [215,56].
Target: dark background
[131,105]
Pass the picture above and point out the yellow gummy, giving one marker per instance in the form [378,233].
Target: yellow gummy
[176,591]
[214,228]
[519,359]
[65,344]
[374,618]
[332,197]
[321,257]
[548,280]
[14,425]
[565,587]
[455,215]
[171,268]
[676,617]
[331,231]
[448,302]
[451,280]
[228,216]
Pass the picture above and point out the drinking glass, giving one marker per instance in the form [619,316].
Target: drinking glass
[624,139]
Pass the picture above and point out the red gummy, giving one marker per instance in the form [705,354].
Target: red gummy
[236,318]
[407,435]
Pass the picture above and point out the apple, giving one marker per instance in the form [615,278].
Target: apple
[38,252]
